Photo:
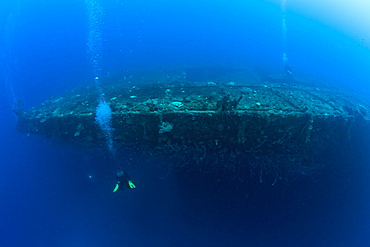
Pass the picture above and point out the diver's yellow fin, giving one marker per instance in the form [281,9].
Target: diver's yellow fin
[131,184]
[116,188]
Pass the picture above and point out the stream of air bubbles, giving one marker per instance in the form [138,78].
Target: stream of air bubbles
[103,111]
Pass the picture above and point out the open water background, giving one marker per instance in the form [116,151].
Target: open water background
[62,195]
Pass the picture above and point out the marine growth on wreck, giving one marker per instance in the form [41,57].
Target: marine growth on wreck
[236,128]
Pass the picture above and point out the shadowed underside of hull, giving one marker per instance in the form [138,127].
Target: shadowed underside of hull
[238,127]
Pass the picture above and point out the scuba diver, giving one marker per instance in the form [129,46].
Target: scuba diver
[288,70]
[123,180]
[288,73]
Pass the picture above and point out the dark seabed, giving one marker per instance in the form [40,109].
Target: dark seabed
[56,193]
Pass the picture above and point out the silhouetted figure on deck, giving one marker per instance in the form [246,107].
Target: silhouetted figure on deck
[288,73]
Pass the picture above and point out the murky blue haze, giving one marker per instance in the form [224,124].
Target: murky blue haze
[61,195]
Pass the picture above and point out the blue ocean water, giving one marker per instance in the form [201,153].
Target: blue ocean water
[61,195]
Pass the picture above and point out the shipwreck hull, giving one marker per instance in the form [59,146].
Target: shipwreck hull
[255,128]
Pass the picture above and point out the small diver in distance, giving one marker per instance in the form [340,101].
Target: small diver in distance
[288,70]
[288,73]
[123,181]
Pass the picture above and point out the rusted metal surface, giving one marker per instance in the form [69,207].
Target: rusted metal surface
[208,126]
